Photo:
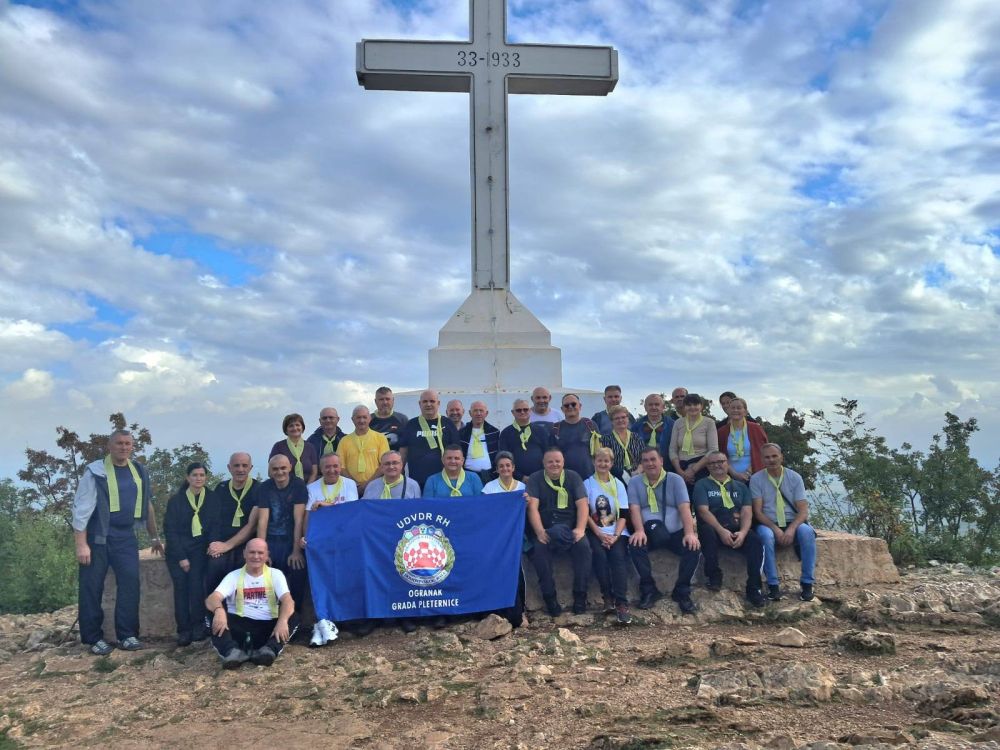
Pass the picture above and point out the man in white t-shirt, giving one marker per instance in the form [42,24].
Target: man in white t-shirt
[253,614]
[332,488]
[540,411]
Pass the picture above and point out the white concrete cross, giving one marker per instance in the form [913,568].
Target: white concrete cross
[488,68]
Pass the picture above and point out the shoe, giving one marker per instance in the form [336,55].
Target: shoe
[130,644]
[317,639]
[774,592]
[198,635]
[101,648]
[263,656]
[184,639]
[552,606]
[714,585]
[623,614]
[647,600]
[686,606]
[408,626]
[580,605]
[234,658]
[365,628]
[609,605]
[806,594]
[439,622]
[756,598]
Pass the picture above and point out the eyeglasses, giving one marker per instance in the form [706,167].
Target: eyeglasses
[571,405]
[323,419]
[716,463]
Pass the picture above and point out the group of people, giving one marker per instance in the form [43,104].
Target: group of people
[607,490]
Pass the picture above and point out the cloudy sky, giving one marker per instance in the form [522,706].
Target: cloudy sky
[205,222]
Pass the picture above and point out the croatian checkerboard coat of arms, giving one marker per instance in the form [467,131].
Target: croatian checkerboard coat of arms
[424,556]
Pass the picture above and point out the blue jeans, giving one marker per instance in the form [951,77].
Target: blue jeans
[805,548]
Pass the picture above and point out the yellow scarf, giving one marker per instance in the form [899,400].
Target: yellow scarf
[456,489]
[329,444]
[475,445]
[778,498]
[429,436]
[652,432]
[562,496]
[513,484]
[727,501]
[624,445]
[688,444]
[595,442]
[239,500]
[360,444]
[741,447]
[525,434]
[388,486]
[335,492]
[109,469]
[297,455]
[272,600]
[196,507]
[651,490]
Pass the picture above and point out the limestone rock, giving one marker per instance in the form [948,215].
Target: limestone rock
[790,638]
[491,627]
[867,642]
[568,636]
[943,703]
[40,639]
[782,742]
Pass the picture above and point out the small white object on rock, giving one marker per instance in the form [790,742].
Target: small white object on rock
[790,638]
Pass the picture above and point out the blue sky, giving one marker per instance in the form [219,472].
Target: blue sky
[206,220]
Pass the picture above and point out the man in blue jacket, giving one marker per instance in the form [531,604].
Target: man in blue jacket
[114,497]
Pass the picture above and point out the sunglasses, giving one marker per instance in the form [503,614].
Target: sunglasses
[519,411]
[571,405]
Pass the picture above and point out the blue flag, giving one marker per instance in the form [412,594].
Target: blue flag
[412,558]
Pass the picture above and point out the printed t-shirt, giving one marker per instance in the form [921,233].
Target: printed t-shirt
[606,517]
[281,503]
[390,426]
[255,606]
[707,493]
[348,492]
[423,461]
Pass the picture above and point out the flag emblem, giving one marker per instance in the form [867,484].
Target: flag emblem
[424,556]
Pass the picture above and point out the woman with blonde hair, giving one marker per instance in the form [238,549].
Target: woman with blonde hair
[741,440]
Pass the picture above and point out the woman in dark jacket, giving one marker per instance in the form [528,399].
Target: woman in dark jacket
[190,512]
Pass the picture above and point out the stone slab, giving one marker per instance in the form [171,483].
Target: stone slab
[842,560]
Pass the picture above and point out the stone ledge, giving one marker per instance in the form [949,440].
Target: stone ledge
[842,560]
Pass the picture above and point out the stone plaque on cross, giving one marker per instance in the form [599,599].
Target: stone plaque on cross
[488,68]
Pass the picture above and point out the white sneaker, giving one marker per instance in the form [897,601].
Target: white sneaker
[330,630]
[324,631]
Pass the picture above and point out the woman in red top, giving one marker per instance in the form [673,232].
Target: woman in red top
[741,440]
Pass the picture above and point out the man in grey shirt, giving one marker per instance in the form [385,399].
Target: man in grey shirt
[661,515]
[781,511]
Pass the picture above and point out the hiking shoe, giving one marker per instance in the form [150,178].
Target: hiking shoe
[580,605]
[609,605]
[552,606]
[234,658]
[367,627]
[101,648]
[623,614]
[407,625]
[714,585]
[130,644]
[774,592]
[183,639]
[647,600]
[439,622]
[686,606]
[263,656]
[806,594]
[199,634]
[756,598]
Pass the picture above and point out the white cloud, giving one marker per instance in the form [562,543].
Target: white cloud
[33,385]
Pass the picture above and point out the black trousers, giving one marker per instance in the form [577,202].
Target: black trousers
[611,567]
[121,554]
[257,632]
[561,540]
[657,537]
[700,474]
[280,549]
[189,589]
[752,549]
[217,568]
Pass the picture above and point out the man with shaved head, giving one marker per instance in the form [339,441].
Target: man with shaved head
[423,441]
[362,450]
[282,506]
[236,500]
[328,435]
[480,442]
[525,441]
[253,611]
[540,411]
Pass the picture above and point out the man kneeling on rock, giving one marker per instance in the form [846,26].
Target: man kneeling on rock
[253,614]
[725,513]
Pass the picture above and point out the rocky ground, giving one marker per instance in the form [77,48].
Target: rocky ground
[916,664]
